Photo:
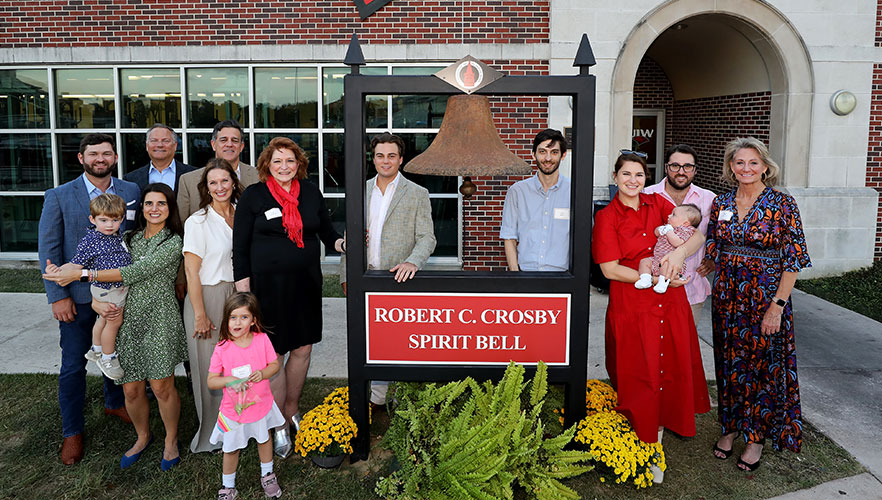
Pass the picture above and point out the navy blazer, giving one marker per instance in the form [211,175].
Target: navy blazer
[141,176]
[63,223]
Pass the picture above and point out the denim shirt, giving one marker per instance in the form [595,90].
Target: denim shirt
[540,222]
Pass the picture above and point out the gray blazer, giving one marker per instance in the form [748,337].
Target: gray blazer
[188,188]
[408,232]
[63,223]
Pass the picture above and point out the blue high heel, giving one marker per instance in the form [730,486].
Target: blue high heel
[127,461]
[166,465]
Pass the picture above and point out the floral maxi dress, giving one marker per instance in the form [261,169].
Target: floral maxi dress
[151,339]
[756,374]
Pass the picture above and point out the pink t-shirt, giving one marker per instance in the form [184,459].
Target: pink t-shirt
[227,357]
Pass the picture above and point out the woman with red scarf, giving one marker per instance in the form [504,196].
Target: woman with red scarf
[278,224]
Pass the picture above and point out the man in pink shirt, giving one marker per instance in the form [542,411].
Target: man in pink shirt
[677,187]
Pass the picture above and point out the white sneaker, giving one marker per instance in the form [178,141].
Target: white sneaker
[92,355]
[657,475]
[110,368]
[644,282]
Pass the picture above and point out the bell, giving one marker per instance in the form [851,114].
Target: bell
[467,144]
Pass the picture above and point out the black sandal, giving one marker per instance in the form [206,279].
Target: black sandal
[726,453]
[754,466]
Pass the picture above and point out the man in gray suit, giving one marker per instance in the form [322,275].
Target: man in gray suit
[227,141]
[162,143]
[401,236]
[63,223]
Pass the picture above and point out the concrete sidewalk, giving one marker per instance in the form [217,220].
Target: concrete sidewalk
[839,355]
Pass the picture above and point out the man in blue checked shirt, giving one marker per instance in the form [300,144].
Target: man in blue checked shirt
[536,213]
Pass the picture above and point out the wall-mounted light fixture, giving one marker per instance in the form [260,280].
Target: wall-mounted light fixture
[842,102]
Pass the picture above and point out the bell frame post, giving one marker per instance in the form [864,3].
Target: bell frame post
[574,282]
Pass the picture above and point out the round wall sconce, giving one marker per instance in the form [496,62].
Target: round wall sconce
[843,102]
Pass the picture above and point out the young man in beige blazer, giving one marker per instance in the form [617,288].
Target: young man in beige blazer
[398,218]
[227,141]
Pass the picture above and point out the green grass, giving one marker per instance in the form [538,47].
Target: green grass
[856,290]
[28,280]
[30,437]
[21,280]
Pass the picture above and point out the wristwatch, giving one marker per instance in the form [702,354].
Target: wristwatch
[85,275]
[781,302]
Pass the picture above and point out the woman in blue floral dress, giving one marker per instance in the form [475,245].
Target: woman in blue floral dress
[755,237]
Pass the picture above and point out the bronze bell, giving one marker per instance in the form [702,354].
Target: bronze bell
[467,144]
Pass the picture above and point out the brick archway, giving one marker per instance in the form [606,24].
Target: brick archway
[784,55]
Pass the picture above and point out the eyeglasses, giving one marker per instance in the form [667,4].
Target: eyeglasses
[676,167]
[639,154]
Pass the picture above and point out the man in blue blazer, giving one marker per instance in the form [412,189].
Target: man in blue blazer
[63,223]
[162,144]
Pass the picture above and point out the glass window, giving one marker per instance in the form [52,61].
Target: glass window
[85,98]
[217,94]
[69,166]
[445,216]
[414,144]
[335,178]
[418,111]
[286,97]
[25,162]
[134,155]
[24,98]
[307,142]
[199,149]
[337,209]
[19,221]
[150,96]
[332,94]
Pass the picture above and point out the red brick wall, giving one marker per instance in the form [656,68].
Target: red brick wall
[652,90]
[874,148]
[518,120]
[708,123]
[65,23]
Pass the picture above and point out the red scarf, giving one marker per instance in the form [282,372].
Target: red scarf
[290,215]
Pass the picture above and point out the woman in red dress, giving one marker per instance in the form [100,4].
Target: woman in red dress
[652,353]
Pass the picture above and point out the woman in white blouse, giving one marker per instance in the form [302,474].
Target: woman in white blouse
[208,248]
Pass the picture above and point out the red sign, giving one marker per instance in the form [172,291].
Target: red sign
[467,328]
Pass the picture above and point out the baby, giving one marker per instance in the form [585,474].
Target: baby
[682,223]
[103,248]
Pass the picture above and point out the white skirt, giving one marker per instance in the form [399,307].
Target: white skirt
[235,436]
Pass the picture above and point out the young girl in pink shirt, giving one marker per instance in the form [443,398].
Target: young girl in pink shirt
[242,363]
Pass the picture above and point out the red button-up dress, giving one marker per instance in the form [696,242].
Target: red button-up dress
[652,353]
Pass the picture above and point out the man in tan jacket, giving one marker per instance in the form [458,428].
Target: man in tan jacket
[401,236]
[227,141]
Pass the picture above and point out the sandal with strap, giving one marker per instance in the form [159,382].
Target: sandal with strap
[748,467]
[726,453]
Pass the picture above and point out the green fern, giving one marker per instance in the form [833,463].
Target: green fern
[466,440]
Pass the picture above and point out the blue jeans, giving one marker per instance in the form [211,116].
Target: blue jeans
[76,339]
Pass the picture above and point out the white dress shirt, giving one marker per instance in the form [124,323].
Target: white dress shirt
[208,236]
[376,217]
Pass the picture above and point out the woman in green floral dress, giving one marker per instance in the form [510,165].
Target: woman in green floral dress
[151,339]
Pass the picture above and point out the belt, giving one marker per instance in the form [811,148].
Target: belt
[750,252]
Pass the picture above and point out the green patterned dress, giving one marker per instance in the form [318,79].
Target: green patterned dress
[151,339]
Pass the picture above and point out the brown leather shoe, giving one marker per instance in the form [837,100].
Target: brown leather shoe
[72,449]
[119,412]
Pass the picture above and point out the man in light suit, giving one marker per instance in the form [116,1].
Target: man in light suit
[162,143]
[63,223]
[401,236]
[227,141]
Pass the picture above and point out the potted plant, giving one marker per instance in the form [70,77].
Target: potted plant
[327,430]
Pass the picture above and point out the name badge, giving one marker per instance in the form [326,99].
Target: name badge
[241,371]
[130,215]
[273,213]
[562,213]
[725,215]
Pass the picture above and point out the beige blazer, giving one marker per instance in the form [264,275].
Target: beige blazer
[188,190]
[408,232]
